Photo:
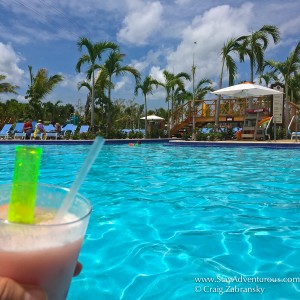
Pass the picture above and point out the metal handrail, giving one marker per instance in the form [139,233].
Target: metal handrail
[267,127]
[289,127]
[291,122]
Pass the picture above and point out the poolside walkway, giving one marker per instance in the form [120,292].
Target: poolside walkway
[166,142]
[287,143]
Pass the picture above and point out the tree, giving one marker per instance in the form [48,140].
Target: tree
[172,82]
[6,87]
[88,98]
[147,88]
[287,70]
[112,66]
[14,109]
[254,46]
[50,110]
[202,88]
[230,46]
[295,88]
[267,77]
[40,86]
[94,53]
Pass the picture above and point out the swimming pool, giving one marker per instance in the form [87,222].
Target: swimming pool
[167,221]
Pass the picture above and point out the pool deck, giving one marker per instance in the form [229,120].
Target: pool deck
[283,144]
[278,144]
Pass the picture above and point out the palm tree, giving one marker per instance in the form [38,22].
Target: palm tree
[230,46]
[6,87]
[181,96]
[295,87]
[287,69]
[147,88]
[202,88]
[172,82]
[112,66]
[94,53]
[254,46]
[88,98]
[40,86]
[268,77]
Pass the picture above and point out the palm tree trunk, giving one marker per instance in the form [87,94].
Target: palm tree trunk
[93,103]
[286,107]
[217,112]
[108,109]
[251,80]
[145,116]
[172,108]
[169,129]
[251,70]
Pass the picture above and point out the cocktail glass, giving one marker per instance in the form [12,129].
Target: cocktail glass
[44,253]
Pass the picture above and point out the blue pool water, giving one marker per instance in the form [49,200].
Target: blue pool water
[167,217]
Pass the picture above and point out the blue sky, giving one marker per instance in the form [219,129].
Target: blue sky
[154,35]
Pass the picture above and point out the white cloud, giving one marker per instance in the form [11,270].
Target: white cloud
[151,58]
[71,81]
[141,23]
[9,60]
[210,31]
[157,73]
[45,31]
[121,83]
[290,27]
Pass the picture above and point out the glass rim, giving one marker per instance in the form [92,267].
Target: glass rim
[87,202]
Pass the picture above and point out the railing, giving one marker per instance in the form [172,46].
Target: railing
[294,109]
[205,109]
[269,126]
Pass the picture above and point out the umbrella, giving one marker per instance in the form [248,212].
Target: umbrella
[246,89]
[153,118]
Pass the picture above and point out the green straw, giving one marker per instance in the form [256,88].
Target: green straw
[24,186]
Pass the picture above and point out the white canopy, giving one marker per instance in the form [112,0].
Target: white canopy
[153,118]
[246,89]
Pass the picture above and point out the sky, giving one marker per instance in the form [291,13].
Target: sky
[154,36]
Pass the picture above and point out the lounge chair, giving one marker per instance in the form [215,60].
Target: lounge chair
[18,128]
[50,131]
[39,135]
[18,131]
[68,128]
[295,135]
[5,131]
[84,129]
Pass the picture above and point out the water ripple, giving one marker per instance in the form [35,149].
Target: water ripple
[165,215]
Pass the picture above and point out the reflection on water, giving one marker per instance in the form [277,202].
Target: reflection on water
[163,216]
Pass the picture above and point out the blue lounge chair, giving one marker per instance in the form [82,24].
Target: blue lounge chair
[68,128]
[18,128]
[50,131]
[84,129]
[18,131]
[5,131]
[40,135]
[295,134]
[37,136]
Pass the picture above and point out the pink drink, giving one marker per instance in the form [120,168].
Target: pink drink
[43,254]
[50,268]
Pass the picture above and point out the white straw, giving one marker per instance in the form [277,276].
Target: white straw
[85,168]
